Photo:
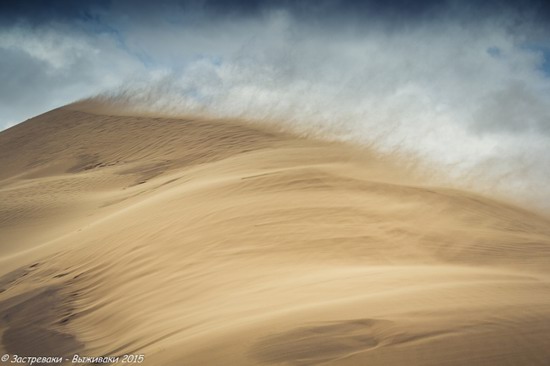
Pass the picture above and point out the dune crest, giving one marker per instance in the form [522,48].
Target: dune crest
[205,242]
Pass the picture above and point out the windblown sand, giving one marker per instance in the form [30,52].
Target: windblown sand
[202,242]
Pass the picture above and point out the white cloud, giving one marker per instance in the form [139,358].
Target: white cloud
[43,68]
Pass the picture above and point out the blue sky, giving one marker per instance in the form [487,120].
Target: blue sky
[53,51]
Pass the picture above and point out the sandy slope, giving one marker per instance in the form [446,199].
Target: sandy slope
[215,243]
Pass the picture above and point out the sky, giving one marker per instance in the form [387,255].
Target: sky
[463,86]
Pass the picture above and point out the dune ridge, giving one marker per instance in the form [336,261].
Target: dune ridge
[209,242]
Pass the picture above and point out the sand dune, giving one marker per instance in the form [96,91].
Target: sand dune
[204,242]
